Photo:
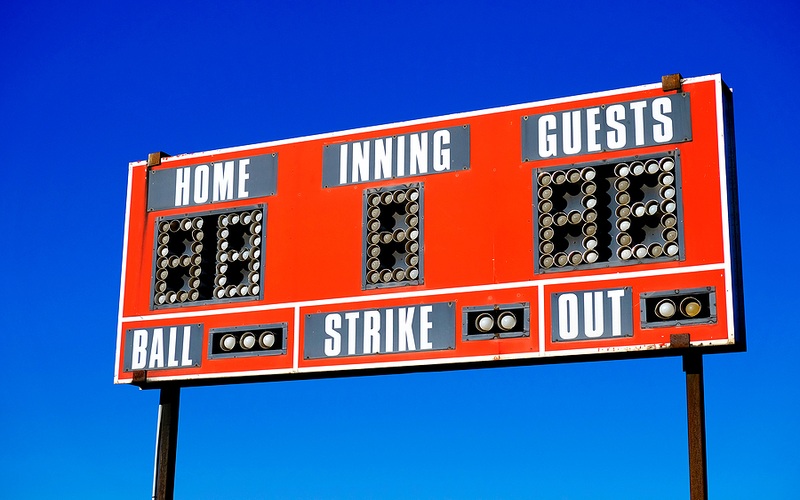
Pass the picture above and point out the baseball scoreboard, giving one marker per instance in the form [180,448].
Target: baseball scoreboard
[589,227]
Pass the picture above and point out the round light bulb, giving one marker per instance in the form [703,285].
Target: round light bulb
[484,322]
[228,342]
[247,341]
[267,340]
[665,309]
[507,321]
[690,307]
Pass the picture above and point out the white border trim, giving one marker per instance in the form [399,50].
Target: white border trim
[123,277]
[725,207]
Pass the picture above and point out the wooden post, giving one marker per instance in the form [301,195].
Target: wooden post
[696,418]
[166,443]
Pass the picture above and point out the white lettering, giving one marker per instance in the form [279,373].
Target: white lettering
[182,181]
[662,132]
[139,354]
[243,176]
[568,316]
[615,138]
[157,349]
[593,128]
[223,181]
[172,360]
[343,164]
[372,332]
[607,127]
[159,352]
[333,345]
[351,319]
[389,330]
[616,311]
[187,337]
[424,327]
[638,121]
[360,161]
[441,154]
[419,154]
[593,314]
[571,140]
[376,331]
[404,155]
[401,156]
[201,177]
[383,158]
[405,332]
[547,142]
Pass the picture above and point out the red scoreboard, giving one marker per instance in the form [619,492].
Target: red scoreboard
[588,227]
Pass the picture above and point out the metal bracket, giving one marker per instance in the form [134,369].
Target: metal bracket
[679,340]
[139,378]
[671,82]
[154,159]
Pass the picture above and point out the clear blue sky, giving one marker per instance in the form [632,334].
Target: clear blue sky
[86,87]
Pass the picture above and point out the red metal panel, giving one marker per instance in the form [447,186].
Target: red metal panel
[478,247]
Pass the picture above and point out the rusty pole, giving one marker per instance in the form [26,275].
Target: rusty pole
[696,417]
[166,443]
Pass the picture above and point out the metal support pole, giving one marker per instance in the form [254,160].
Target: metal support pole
[696,417]
[166,443]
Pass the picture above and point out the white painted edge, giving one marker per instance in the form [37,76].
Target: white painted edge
[296,339]
[124,274]
[725,207]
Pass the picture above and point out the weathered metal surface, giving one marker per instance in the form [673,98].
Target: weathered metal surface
[166,443]
[696,418]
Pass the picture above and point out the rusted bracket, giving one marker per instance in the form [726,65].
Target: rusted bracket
[671,83]
[154,159]
[679,340]
[139,378]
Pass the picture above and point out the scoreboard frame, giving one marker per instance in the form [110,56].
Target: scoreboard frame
[590,227]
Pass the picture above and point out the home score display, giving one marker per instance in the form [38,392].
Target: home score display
[588,227]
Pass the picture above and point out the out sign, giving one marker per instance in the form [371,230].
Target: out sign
[594,314]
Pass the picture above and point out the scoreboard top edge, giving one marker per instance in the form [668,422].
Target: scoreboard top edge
[454,116]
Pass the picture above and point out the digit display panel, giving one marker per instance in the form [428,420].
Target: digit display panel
[589,227]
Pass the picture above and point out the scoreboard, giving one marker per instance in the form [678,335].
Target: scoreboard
[589,227]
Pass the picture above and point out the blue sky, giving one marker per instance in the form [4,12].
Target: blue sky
[86,87]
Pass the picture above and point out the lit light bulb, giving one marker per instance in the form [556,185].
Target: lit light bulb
[690,307]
